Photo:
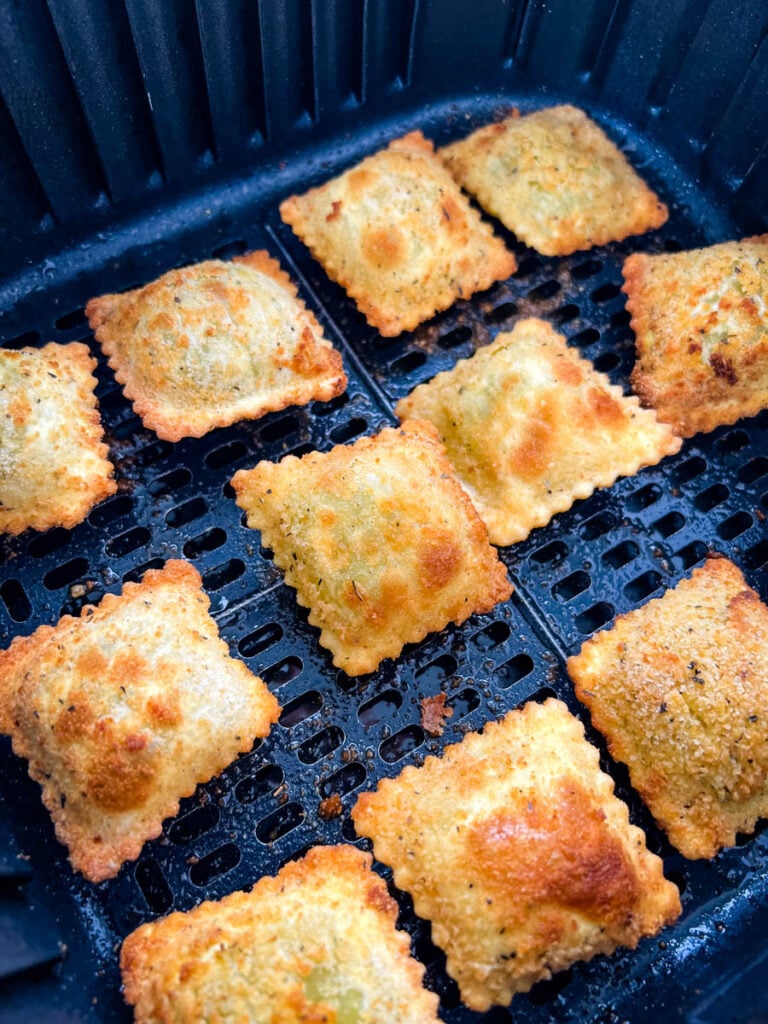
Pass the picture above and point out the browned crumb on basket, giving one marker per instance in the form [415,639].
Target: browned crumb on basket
[123,711]
[316,943]
[53,460]
[213,343]
[530,426]
[556,180]
[379,539]
[701,322]
[331,807]
[680,690]
[434,714]
[514,846]
[397,234]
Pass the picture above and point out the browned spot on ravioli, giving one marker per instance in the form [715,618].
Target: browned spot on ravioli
[723,367]
[439,560]
[385,247]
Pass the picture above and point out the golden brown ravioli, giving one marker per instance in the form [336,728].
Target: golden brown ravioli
[514,846]
[530,426]
[701,320]
[397,234]
[316,943]
[214,343]
[680,690]
[556,180]
[123,711]
[53,462]
[379,540]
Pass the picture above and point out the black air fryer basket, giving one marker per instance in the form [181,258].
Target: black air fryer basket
[140,135]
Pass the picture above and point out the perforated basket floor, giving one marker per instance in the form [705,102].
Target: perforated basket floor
[606,556]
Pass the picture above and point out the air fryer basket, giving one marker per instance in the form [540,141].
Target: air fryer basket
[144,134]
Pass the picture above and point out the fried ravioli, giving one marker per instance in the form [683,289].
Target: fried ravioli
[556,180]
[397,234]
[701,321]
[680,690]
[514,846]
[530,426]
[53,461]
[379,540]
[123,711]
[214,343]
[315,943]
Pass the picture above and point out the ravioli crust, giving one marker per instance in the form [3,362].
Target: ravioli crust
[123,711]
[680,690]
[396,233]
[556,180]
[701,321]
[315,943]
[530,426]
[514,846]
[378,539]
[53,461]
[214,343]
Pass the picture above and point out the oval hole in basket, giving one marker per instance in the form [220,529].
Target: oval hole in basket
[22,340]
[491,636]
[280,822]
[437,670]
[321,744]
[606,362]
[260,639]
[279,429]
[598,525]
[226,454]
[109,511]
[587,269]
[544,291]
[65,573]
[401,743]
[669,524]
[209,540]
[643,586]
[733,441]
[753,470]
[622,554]
[734,525]
[756,556]
[193,825]
[127,542]
[223,574]
[464,703]
[379,708]
[408,363]
[214,864]
[644,497]
[229,249]
[283,671]
[70,320]
[346,431]
[344,781]
[304,706]
[135,575]
[152,453]
[692,553]
[15,600]
[564,314]
[514,670]
[264,783]
[550,554]
[547,991]
[595,617]
[459,335]
[711,497]
[606,292]
[572,586]
[326,408]
[690,469]
[186,513]
[586,337]
[504,311]
[169,482]
[153,885]
[47,543]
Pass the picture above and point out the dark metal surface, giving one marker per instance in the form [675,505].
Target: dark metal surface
[606,556]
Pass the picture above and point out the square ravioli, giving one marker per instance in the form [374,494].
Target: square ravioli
[556,180]
[214,343]
[701,321]
[679,688]
[379,540]
[514,846]
[398,235]
[315,943]
[53,460]
[123,711]
[530,426]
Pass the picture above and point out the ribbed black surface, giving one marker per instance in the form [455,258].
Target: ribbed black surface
[250,102]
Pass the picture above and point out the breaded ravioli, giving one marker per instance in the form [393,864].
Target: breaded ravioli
[701,321]
[514,846]
[53,460]
[530,426]
[679,688]
[398,235]
[556,180]
[378,538]
[123,711]
[214,343]
[316,943]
